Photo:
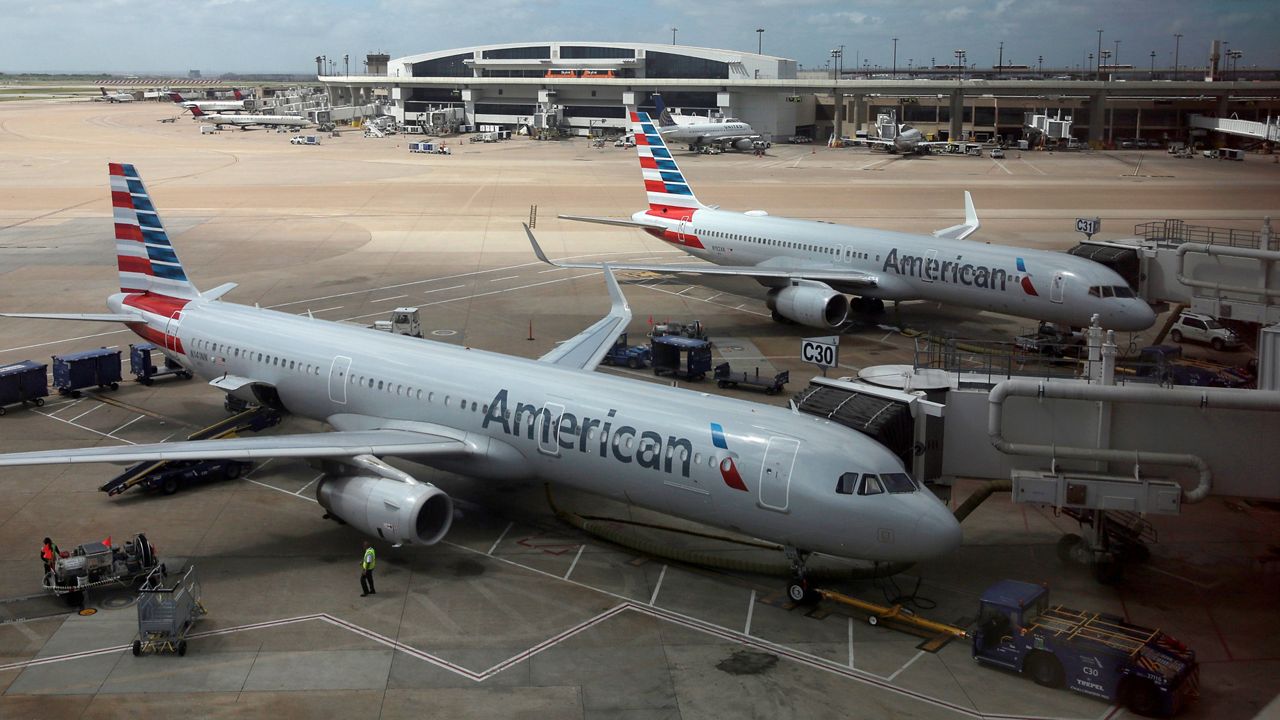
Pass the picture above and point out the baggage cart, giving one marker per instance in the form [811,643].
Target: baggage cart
[166,614]
[23,382]
[145,371]
[92,368]
[680,357]
[726,377]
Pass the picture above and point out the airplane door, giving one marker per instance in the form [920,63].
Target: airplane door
[171,331]
[547,429]
[930,260]
[338,372]
[1058,288]
[775,473]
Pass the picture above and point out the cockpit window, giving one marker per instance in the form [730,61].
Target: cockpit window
[870,485]
[1123,291]
[898,482]
[846,483]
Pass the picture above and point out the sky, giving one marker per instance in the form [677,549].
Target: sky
[248,36]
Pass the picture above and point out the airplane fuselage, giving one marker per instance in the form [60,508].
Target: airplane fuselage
[1037,284]
[248,120]
[704,133]
[760,470]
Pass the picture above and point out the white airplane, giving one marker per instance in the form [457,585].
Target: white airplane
[809,266]
[700,132]
[211,106]
[801,481]
[900,138]
[117,97]
[245,121]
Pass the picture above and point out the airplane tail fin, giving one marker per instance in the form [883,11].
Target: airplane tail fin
[668,190]
[664,114]
[235,92]
[146,259]
[175,97]
[196,111]
[104,90]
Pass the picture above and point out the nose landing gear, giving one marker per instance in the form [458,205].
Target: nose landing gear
[798,588]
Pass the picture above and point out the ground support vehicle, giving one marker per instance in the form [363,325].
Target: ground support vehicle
[169,476]
[304,140]
[145,371]
[23,382]
[92,368]
[693,330]
[681,357]
[166,614]
[726,377]
[1053,341]
[1096,654]
[1112,538]
[1165,364]
[1206,329]
[403,321]
[633,356]
[98,564]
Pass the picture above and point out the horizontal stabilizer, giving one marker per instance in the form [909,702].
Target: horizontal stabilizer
[84,317]
[971,224]
[219,291]
[317,445]
[613,221]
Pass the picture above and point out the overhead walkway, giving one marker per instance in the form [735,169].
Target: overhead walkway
[1268,131]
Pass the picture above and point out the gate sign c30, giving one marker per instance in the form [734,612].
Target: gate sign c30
[823,351]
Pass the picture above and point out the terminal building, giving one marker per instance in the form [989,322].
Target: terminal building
[582,87]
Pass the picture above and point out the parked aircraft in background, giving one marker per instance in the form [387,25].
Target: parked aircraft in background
[810,266]
[801,481]
[117,97]
[697,132]
[899,138]
[211,106]
[245,121]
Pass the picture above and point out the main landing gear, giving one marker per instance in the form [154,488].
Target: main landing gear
[798,588]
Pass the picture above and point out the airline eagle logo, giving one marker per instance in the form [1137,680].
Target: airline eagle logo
[728,466]
[1027,287]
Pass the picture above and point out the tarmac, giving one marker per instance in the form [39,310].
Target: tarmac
[517,614]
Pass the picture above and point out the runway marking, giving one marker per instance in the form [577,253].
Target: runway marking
[751,609]
[654,597]
[897,672]
[850,642]
[1002,167]
[55,342]
[505,530]
[451,287]
[86,412]
[73,404]
[85,427]
[393,297]
[544,272]
[484,294]
[113,432]
[281,490]
[574,564]
[335,307]
[1033,167]
[304,487]
[509,277]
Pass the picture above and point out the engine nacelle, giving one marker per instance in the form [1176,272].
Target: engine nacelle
[398,512]
[810,303]
[744,144]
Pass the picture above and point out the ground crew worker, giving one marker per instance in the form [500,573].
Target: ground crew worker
[366,570]
[49,555]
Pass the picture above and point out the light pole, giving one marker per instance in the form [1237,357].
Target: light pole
[1115,59]
[895,58]
[835,73]
[1106,54]
[346,65]
[1099,69]
[673,36]
[1177,41]
[1000,62]
[960,61]
[759,40]
[1233,60]
[1153,64]
[1040,64]
[1090,58]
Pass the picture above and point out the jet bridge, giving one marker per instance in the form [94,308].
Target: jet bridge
[1268,131]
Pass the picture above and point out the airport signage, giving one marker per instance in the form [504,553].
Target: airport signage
[1088,226]
[823,352]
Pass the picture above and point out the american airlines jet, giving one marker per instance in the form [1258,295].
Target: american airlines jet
[810,267]
[803,482]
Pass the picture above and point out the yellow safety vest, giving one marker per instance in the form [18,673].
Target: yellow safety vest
[369,560]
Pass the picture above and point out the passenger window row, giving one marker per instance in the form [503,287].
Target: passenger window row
[230,351]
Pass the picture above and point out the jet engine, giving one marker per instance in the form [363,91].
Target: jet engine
[744,144]
[810,303]
[399,512]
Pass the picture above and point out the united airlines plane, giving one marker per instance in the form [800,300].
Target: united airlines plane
[811,267]
[801,481]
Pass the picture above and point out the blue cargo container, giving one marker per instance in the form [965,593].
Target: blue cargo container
[144,371]
[23,382]
[678,356]
[91,368]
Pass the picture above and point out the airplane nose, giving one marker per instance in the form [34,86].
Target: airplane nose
[937,532]
[1133,317]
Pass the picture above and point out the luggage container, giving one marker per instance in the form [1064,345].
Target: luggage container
[145,371]
[681,357]
[92,368]
[23,382]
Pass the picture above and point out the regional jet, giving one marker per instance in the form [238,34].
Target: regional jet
[801,481]
[900,138]
[118,97]
[810,267]
[211,106]
[244,122]
[699,132]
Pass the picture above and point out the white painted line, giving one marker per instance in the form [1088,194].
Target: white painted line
[751,609]
[451,287]
[55,342]
[113,432]
[544,272]
[393,297]
[574,564]
[914,658]
[82,427]
[713,297]
[304,487]
[265,463]
[850,642]
[483,294]
[281,490]
[335,307]
[654,597]
[86,412]
[509,277]
[505,530]
[1002,167]
[1033,167]
[55,412]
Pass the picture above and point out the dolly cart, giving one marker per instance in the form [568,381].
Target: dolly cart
[23,382]
[726,377]
[145,371]
[166,614]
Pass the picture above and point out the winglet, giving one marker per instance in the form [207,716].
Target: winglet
[586,349]
[620,308]
[970,214]
[537,249]
[971,224]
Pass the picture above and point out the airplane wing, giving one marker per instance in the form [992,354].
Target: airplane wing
[847,277]
[88,317]
[585,350]
[401,443]
[614,221]
[965,229]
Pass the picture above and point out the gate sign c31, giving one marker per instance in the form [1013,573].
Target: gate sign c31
[823,352]
[1088,226]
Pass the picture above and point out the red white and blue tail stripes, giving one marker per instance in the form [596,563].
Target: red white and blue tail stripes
[669,192]
[147,261]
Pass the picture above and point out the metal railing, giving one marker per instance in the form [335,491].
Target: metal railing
[1172,233]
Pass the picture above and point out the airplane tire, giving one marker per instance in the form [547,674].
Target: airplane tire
[633,363]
